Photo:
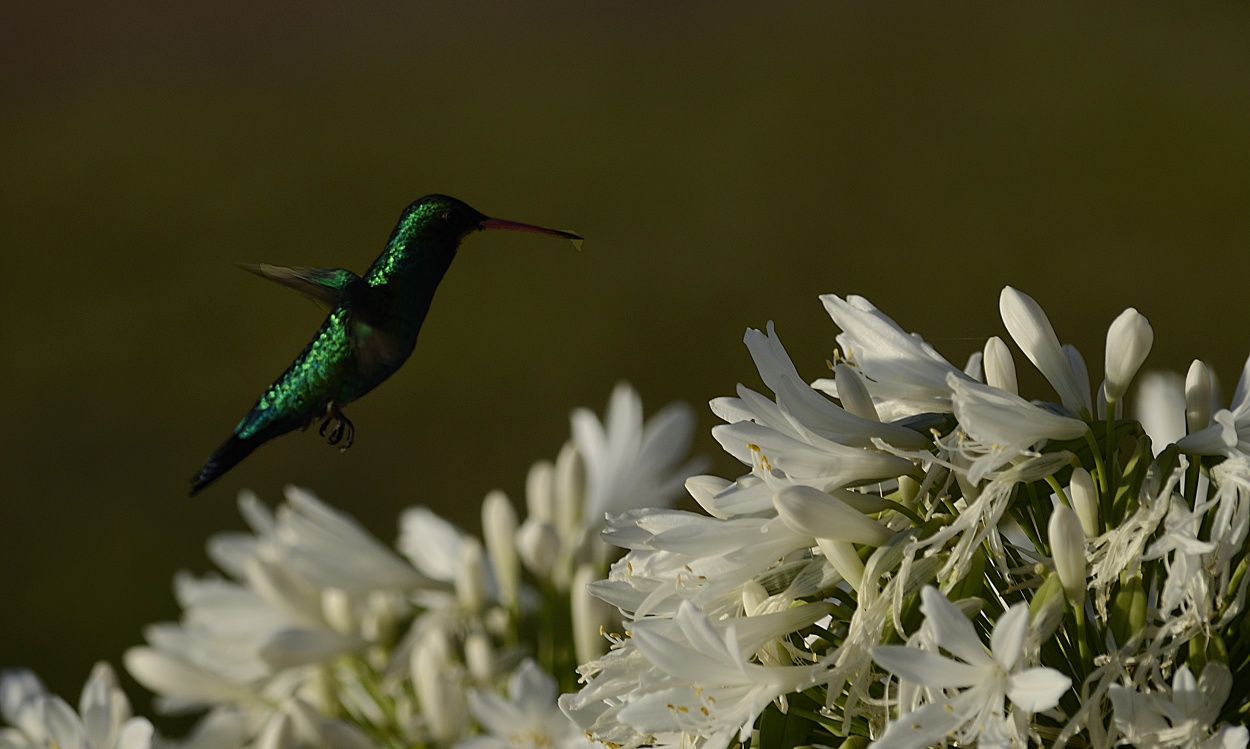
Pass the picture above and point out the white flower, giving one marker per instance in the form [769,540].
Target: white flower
[1003,425]
[799,409]
[904,374]
[630,463]
[1185,721]
[309,587]
[811,459]
[327,548]
[976,713]
[1230,434]
[682,555]
[692,678]
[1187,579]
[528,718]
[39,719]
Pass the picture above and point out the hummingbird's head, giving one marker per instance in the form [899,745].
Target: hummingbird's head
[439,218]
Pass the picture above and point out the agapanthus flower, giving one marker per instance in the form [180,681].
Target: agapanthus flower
[34,719]
[1184,720]
[967,695]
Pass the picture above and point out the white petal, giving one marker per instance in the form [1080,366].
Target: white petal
[1185,692]
[1007,639]
[951,628]
[820,462]
[299,647]
[19,688]
[1228,737]
[164,674]
[135,734]
[1160,407]
[704,490]
[431,542]
[1218,439]
[921,728]
[65,728]
[101,710]
[811,511]
[997,417]
[924,667]
[1037,689]
[220,729]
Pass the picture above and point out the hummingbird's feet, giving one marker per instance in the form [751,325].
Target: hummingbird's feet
[342,429]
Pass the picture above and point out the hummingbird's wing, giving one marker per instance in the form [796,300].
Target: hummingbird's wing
[379,351]
[325,286]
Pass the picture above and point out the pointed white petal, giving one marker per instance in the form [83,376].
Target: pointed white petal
[1037,689]
[924,667]
[951,628]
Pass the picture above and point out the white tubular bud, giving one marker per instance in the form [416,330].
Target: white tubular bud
[1128,343]
[1000,368]
[1067,543]
[499,527]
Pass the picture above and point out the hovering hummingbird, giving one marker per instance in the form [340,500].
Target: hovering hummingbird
[370,331]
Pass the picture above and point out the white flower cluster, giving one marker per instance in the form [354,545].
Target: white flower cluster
[319,635]
[921,557]
[918,557]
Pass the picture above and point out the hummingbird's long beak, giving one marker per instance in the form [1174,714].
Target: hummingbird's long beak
[499,223]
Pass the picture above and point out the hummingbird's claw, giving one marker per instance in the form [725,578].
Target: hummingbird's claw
[342,428]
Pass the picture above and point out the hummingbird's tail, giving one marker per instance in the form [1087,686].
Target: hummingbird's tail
[237,448]
[226,457]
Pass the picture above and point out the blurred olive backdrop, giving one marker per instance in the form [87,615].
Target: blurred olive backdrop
[726,162]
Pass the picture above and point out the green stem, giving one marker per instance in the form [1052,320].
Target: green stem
[906,511]
[1100,474]
[1082,643]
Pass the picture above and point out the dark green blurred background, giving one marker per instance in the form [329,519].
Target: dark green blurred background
[727,164]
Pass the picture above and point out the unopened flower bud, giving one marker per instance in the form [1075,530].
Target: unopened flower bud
[1000,368]
[479,656]
[841,554]
[539,492]
[590,616]
[1197,397]
[439,686]
[806,509]
[499,526]
[570,490]
[538,545]
[336,607]
[852,392]
[1031,330]
[470,580]
[754,596]
[1128,343]
[1067,544]
[1084,500]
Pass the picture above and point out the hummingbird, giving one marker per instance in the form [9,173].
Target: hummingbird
[370,330]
